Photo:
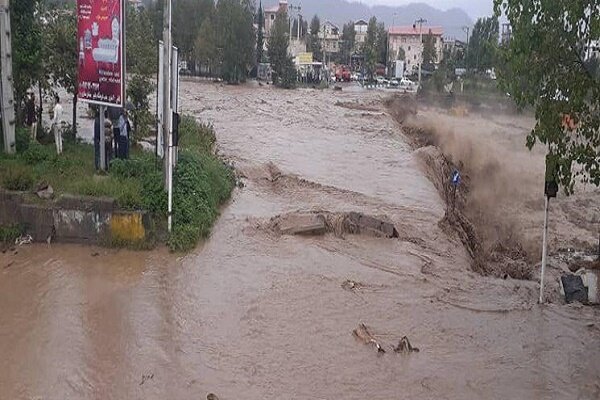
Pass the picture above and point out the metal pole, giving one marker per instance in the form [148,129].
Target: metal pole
[102,140]
[166,86]
[174,99]
[420,21]
[544,248]
[466,28]
[6,84]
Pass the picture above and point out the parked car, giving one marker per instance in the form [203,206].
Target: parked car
[381,80]
[407,84]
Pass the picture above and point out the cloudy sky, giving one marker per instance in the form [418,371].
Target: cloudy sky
[475,8]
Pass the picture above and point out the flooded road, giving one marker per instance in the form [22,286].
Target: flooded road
[254,315]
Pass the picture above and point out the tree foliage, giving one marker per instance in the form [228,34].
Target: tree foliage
[187,17]
[61,53]
[546,65]
[281,62]
[348,40]
[314,42]
[226,40]
[429,51]
[141,51]
[382,44]
[370,47]
[401,54]
[483,44]
[26,48]
[260,40]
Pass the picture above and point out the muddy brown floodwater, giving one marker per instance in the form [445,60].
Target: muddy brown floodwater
[253,315]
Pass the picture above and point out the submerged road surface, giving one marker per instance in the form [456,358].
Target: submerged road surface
[253,315]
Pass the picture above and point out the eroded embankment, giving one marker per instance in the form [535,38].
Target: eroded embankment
[472,208]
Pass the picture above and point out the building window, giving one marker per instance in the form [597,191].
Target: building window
[415,56]
[408,48]
[272,17]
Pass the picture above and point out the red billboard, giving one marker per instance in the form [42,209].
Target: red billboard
[100,39]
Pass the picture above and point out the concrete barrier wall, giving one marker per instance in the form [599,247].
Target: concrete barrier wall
[77,219]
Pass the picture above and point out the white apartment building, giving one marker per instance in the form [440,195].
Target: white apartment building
[409,39]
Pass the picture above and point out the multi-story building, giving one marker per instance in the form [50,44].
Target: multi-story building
[360,27]
[592,50]
[330,38]
[453,46]
[409,39]
[271,14]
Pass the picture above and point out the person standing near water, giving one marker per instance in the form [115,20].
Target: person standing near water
[56,125]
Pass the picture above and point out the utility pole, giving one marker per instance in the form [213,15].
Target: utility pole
[166,89]
[467,29]
[7,99]
[420,21]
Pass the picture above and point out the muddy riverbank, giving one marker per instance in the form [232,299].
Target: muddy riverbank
[254,315]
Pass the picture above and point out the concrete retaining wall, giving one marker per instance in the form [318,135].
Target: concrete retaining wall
[76,219]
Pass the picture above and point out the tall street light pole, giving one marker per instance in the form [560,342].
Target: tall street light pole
[467,29]
[166,88]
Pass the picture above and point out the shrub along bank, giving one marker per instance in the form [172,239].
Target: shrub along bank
[202,182]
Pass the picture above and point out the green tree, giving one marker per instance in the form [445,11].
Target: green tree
[281,62]
[348,40]
[187,19]
[429,51]
[401,54]
[142,64]
[304,29]
[483,44]
[382,44]
[61,53]
[260,40]
[546,65]
[206,45]
[26,49]
[370,49]
[314,42]
[235,38]
[141,49]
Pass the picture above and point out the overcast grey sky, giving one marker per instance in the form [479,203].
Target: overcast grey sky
[475,8]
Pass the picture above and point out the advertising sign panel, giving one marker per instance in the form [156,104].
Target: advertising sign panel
[100,39]
[305,58]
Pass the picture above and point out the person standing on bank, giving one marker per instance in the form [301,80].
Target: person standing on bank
[108,139]
[97,140]
[30,115]
[56,125]
[124,130]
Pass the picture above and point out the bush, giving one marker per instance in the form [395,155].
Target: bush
[22,139]
[289,76]
[202,183]
[37,154]
[127,193]
[8,234]
[132,168]
[154,195]
[18,178]
[197,137]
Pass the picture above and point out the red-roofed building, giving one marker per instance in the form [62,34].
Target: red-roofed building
[409,39]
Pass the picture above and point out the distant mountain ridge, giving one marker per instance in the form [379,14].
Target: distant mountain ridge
[342,11]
